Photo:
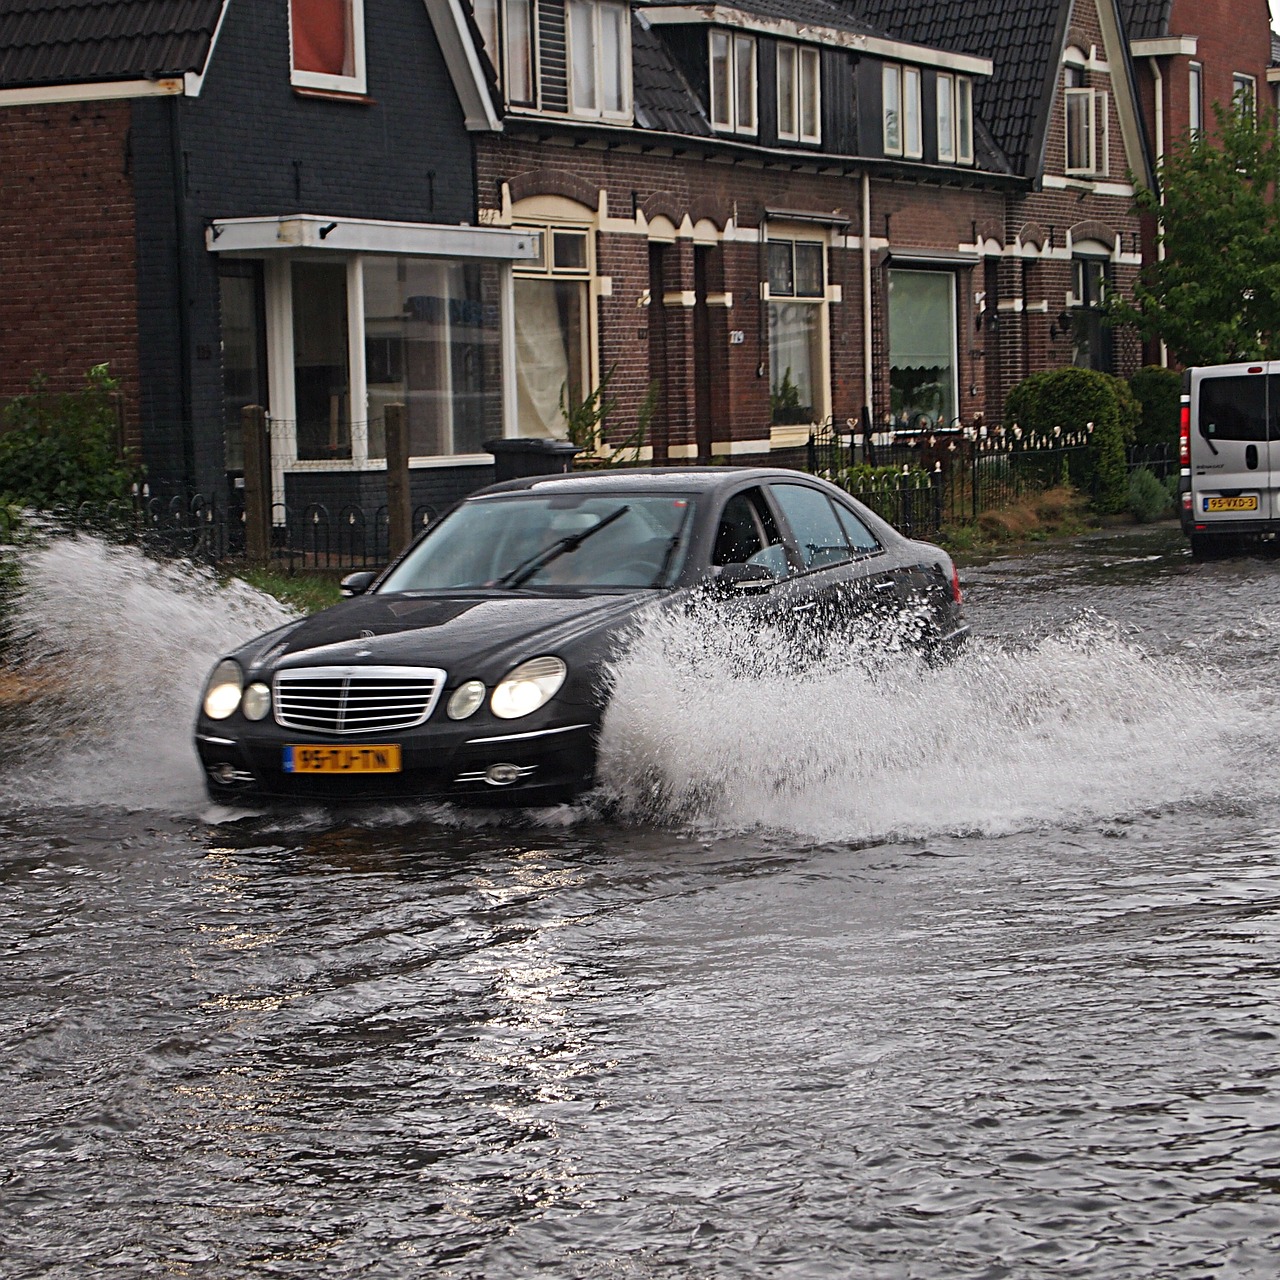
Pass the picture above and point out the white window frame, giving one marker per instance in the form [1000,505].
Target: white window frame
[903,84]
[792,235]
[1195,99]
[354,83]
[955,134]
[599,111]
[495,31]
[805,72]
[733,41]
[1244,94]
[912,113]
[1094,104]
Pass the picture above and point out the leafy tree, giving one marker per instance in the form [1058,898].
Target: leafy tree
[1214,296]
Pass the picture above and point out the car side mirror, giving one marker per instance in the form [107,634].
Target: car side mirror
[743,579]
[356,584]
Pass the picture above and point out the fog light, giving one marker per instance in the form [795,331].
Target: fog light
[502,775]
[223,773]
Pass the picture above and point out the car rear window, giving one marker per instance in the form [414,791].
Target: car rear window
[1234,408]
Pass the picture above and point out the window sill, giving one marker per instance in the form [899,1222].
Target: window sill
[334,95]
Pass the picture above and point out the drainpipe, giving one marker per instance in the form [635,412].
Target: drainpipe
[868,364]
[1157,78]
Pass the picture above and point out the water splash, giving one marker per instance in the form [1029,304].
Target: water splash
[115,646]
[714,723]
[1079,725]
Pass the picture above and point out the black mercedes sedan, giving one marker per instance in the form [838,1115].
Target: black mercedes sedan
[474,668]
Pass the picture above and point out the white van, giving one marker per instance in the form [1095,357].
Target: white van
[1230,427]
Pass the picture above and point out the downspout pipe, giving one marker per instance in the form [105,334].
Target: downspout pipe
[868,360]
[1157,80]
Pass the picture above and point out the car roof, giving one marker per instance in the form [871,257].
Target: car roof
[652,479]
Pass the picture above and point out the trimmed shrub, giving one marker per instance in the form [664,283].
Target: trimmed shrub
[64,450]
[1073,399]
[1159,392]
[1148,497]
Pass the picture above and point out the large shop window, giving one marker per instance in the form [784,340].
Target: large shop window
[922,348]
[599,59]
[327,40]
[797,330]
[432,343]
[430,335]
[552,331]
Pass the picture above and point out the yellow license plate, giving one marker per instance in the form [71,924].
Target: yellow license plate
[347,758]
[1248,502]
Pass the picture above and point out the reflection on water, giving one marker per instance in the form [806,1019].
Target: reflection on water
[935,1016]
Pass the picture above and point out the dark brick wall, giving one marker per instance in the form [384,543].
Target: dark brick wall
[251,146]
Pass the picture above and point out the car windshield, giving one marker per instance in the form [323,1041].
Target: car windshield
[616,540]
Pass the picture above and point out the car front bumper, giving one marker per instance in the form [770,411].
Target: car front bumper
[485,764]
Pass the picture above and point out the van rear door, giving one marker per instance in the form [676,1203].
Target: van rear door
[1232,430]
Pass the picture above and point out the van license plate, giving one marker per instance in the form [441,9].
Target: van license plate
[353,758]
[1249,502]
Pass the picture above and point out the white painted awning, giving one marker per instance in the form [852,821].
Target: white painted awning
[365,235]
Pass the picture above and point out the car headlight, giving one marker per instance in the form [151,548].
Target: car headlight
[256,702]
[466,700]
[222,692]
[527,687]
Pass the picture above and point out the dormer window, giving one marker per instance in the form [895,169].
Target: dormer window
[955,119]
[1086,116]
[733,81]
[599,59]
[903,131]
[799,93]
[327,45]
[507,27]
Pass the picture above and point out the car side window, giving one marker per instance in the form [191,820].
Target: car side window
[748,534]
[818,531]
[861,539]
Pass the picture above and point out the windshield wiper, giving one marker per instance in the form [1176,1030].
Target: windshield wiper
[523,572]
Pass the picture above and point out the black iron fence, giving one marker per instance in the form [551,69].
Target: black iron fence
[919,481]
[212,530]
[922,480]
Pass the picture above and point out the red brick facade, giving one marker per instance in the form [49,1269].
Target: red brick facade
[67,246]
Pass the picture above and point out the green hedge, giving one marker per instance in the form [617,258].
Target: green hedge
[1075,399]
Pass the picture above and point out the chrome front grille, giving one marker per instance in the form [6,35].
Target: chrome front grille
[362,700]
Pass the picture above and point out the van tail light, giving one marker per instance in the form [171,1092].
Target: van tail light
[955,585]
[1184,435]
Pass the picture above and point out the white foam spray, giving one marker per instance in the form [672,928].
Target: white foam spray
[713,723]
[869,746]
[117,646]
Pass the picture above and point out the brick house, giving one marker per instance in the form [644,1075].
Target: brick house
[778,213]
[745,217]
[268,203]
[1190,57]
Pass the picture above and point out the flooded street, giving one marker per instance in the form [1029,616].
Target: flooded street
[888,973]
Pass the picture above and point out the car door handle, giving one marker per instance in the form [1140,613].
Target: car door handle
[804,608]
[886,584]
